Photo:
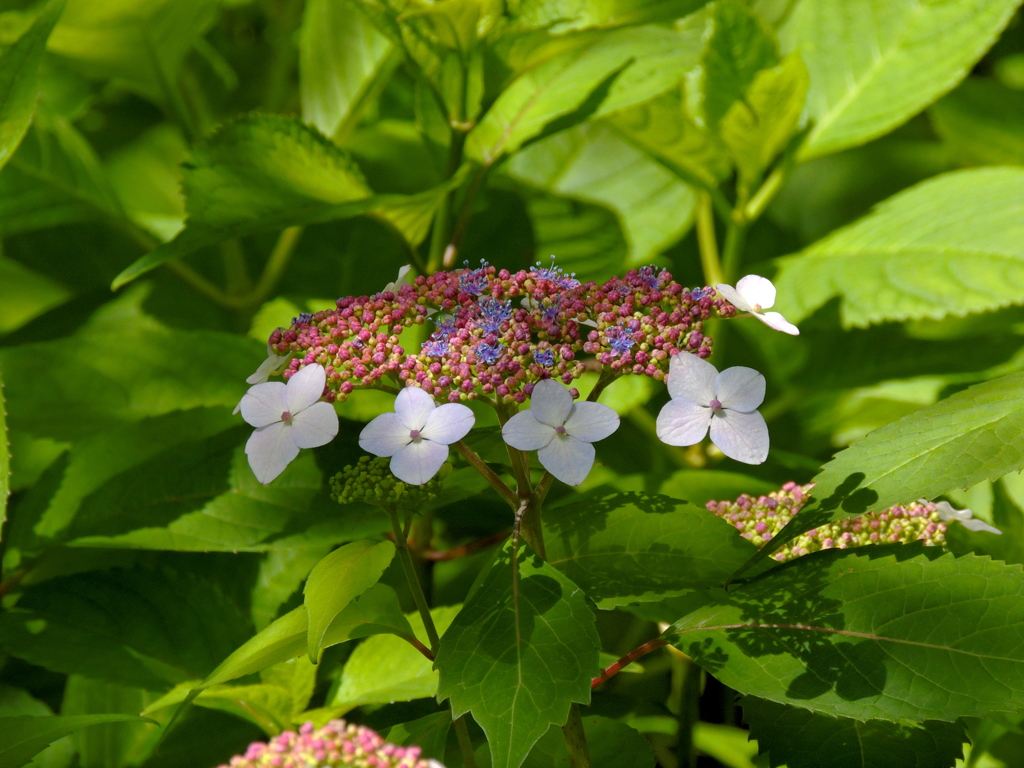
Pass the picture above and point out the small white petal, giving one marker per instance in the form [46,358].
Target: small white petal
[591,422]
[741,436]
[524,432]
[528,304]
[740,389]
[733,296]
[568,459]
[758,292]
[305,387]
[550,402]
[418,461]
[778,322]
[683,422]
[591,323]
[448,423]
[974,524]
[385,435]
[270,449]
[264,403]
[414,407]
[266,368]
[947,513]
[692,378]
[399,281]
[315,426]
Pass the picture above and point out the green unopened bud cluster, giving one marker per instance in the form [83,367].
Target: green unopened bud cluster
[759,519]
[371,481]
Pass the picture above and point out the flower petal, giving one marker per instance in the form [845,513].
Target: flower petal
[591,422]
[386,435]
[741,436]
[568,459]
[315,426]
[266,367]
[418,461]
[778,322]
[740,389]
[692,378]
[731,295]
[414,407]
[524,432]
[550,403]
[758,292]
[448,423]
[974,524]
[306,387]
[683,422]
[270,449]
[264,403]
[399,281]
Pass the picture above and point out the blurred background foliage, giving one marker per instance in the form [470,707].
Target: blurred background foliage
[180,177]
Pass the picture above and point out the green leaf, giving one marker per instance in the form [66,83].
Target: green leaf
[281,573]
[111,745]
[27,295]
[900,633]
[637,547]
[982,122]
[429,733]
[341,57]
[25,736]
[561,16]
[385,669]
[5,457]
[336,580]
[135,627]
[611,745]
[592,162]
[729,745]
[873,69]
[798,738]
[375,611]
[268,707]
[19,70]
[968,437]
[16,702]
[949,246]
[520,652]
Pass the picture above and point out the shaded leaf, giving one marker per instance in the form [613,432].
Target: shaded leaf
[982,122]
[5,457]
[26,295]
[25,736]
[17,702]
[429,733]
[111,745]
[611,744]
[561,16]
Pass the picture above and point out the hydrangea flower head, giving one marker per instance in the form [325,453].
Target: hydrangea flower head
[754,294]
[723,403]
[416,435]
[287,417]
[561,431]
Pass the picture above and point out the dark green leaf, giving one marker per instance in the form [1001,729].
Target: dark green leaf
[429,733]
[900,633]
[19,69]
[27,294]
[336,580]
[982,122]
[611,745]
[25,736]
[5,457]
[798,738]
[522,650]
[950,246]
[111,745]
[637,547]
[17,702]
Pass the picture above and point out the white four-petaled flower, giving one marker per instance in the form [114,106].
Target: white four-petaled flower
[963,516]
[560,430]
[417,435]
[754,294]
[726,403]
[287,417]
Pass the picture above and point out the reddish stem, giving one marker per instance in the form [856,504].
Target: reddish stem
[613,669]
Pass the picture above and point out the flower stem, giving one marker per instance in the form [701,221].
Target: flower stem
[613,669]
[734,238]
[575,739]
[414,583]
[465,745]
[489,475]
[705,221]
[279,258]
[685,704]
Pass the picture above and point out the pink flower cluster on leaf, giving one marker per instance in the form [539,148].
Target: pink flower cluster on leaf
[336,744]
[759,519]
[498,333]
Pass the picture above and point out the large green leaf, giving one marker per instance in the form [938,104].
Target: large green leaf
[521,651]
[111,745]
[971,436]
[135,627]
[19,69]
[23,737]
[338,579]
[949,246]
[901,633]
[611,744]
[26,295]
[982,121]
[593,162]
[797,737]
[341,56]
[429,733]
[637,547]
[875,63]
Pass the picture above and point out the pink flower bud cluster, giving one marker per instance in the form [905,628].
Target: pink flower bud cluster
[759,519]
[335,744]
[497,333]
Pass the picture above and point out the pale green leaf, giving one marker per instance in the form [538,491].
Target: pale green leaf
[949,246]
[269,707]
[23,737]
[25,295]
[281,573]
[875,63]
[728,744]
[982,122]
[561,16]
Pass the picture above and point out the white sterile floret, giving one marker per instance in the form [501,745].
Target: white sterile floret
[724,403]
[287,417]
[271,365]
[401,280]
[560,430]
[417,435]
[754,294]
[964,517]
